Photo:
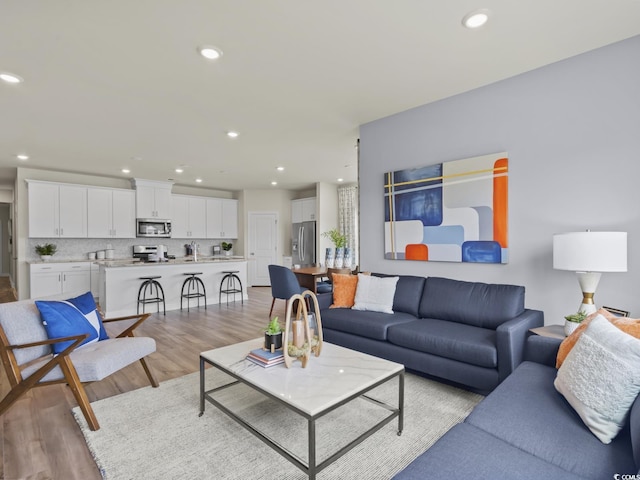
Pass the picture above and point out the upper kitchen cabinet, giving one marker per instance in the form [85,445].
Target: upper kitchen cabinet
[111,213]
[153,199]
[57,210]
[222,218]
[303,210]
[188,216]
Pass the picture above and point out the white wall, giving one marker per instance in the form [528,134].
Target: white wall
[327,201]
[571,130]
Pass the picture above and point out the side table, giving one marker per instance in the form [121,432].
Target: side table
[552,331]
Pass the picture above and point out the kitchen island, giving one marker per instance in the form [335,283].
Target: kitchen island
[120,282]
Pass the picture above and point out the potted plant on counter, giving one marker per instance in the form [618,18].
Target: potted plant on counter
[46,251]
[227,248]
[273,335]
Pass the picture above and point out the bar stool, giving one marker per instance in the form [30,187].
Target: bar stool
[231,287]
[192,286]
[148,286]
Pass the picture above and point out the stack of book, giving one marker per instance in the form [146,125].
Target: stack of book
[265,358]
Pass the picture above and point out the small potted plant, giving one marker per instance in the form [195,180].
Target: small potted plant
[273,335]
[573,321]
[227,248]
[46,251]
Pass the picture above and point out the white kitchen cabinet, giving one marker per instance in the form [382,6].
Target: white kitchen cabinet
[188,216]
[58,278]
[308,209]
[296,211]
[153,199]
[303,210]
[111,213]
[95,280]
[57,210]
[222,218]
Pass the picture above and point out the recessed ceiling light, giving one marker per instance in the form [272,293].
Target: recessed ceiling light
[198,180]
[341,179]
[476,19]
[274,183]
[126,170]
[10,77]
[232,134]
[211,53]
[280,169]
[179,170]
[22,156]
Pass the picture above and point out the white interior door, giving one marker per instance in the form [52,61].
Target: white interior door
[263,246]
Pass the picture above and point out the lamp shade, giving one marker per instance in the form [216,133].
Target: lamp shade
[590,251]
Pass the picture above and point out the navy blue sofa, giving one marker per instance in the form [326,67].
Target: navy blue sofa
[525,429]
[469,333]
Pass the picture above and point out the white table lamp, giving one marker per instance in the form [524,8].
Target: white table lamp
[588,254]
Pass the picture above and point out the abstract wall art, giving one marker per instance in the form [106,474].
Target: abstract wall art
[449,212]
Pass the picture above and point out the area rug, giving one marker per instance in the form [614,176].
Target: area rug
[156,433]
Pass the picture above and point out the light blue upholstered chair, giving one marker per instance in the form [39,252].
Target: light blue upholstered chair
[284,284]
[27,355]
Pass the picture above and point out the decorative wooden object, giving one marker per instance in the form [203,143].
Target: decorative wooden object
[300,343]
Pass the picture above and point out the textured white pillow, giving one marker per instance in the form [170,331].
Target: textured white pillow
[600,377]
[375,294]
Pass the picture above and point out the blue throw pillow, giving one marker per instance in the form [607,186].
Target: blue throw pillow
[76,316]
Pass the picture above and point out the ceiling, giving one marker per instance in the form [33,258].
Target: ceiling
[120,84]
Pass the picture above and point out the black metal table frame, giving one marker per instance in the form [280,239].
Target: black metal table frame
[310,468]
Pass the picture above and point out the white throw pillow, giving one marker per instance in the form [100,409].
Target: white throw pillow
[375,294]
[600,377]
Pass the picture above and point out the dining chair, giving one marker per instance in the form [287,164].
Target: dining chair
[284,284]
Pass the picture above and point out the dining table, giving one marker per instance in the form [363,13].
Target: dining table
[308,276]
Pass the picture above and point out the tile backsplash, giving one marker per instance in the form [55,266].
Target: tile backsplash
[79,248]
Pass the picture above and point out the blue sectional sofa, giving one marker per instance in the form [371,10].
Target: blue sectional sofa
[525,429]
[469,333]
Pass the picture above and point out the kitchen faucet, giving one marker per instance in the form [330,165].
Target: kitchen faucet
[194,249]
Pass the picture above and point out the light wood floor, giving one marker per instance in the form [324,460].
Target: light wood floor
[40,438]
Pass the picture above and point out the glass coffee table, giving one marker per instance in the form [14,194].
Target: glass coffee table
[333,379]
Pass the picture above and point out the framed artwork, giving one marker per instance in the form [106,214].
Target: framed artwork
[617,312]
[448,212]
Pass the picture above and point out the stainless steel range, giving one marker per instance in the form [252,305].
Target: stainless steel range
[150,253]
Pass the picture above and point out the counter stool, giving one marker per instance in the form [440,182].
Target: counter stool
[147,288]
[233,286]
[192,286]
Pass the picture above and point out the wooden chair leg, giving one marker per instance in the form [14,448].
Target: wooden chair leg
[18,389]
[272,303]
[79,393]
[152,379]
[14,394]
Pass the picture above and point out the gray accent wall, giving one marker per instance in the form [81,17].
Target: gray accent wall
[572,132]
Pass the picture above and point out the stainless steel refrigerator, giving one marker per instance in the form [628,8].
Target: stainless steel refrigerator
[303,244]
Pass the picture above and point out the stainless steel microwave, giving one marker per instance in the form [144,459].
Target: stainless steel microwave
[152,227]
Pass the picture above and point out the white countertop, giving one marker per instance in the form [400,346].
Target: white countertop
[177,261]
[133,262]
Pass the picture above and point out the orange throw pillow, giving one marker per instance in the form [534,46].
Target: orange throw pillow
[627,325]
[344,290]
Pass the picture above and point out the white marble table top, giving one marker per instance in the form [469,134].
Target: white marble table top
[338,373]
